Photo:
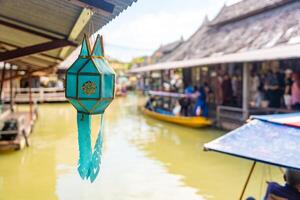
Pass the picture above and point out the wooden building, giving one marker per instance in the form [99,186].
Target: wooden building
[250,34]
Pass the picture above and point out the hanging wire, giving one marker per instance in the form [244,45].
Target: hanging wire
[93,30]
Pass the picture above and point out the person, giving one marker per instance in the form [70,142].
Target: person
[295,92]
[177,108]
[288,89]
[273,90]
[234,83]
[254,92]
[185,102]
[281,83]
[189,89]
[150,105]
[239,94]
[227,91]
[201,107]
[291,189]
[218,88]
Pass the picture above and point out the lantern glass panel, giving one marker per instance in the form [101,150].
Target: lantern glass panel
[76,104]
[89,68]
[107,89]
[71,81]
[77,65]
[102,106]
[102,66]
[89,105]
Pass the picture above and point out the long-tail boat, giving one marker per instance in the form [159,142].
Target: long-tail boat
[189,121]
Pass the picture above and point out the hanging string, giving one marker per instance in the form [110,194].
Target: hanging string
[93,30]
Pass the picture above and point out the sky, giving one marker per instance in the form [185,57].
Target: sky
[148,24]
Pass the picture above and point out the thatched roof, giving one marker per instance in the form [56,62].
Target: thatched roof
[164,50]
[245,9]
[275,26]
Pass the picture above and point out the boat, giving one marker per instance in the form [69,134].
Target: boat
[164,115]
[16,129]
[194,122]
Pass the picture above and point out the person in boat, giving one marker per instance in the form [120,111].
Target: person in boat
[177,108]
[185,102]
[150,104]
[201,107]
[290,191]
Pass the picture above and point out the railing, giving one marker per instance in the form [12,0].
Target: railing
[230,117]
[39,95]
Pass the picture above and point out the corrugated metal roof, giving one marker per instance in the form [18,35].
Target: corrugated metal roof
[276,53]
[52,17]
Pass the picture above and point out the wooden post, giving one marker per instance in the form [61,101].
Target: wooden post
[11,89]
[246,75]
[247,181]
[2,81]
[30,95]
[162,79]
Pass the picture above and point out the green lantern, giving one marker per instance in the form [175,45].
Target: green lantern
[90,88]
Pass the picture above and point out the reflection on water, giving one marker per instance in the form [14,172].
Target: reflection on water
[143,159]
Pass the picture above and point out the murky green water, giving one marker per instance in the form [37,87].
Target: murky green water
[143,159]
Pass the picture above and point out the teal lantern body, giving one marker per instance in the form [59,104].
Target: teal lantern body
[90,88]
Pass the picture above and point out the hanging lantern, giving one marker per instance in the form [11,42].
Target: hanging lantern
[90,88]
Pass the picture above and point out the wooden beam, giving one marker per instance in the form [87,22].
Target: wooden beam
[41,54]
[83,19]
[25,29]
[30,94]
[2,81]
[100,6]
[11,89]
[35,49]
[32,71]
[24,64]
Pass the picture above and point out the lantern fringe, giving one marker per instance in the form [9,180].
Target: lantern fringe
[89,163]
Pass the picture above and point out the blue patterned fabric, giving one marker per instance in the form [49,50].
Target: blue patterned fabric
[262,141]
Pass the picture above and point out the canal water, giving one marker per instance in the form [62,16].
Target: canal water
[142,159]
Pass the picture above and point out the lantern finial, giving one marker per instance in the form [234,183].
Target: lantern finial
[85,47]
[98,47]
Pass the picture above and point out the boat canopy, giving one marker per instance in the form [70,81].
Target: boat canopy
[271,139]
[167,94]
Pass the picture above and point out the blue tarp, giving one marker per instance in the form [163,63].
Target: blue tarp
[264,140]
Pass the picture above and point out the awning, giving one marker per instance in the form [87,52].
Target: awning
[266,139]
[276,53]
[39,34]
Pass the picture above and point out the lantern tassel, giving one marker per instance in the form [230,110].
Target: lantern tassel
[88,164]
[96,158]
[84,142]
